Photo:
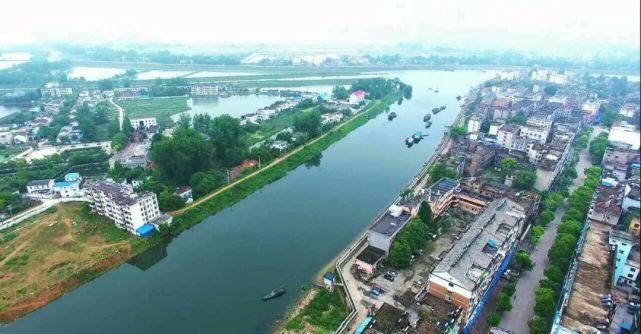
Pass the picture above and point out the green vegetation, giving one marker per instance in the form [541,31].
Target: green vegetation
[229,196]
[324,313]
[502,303]
[562,251]
[597,147]
[412,240]
[524,180]
[537,232]
[458,131]
[49,254]
[440,170]
[523,261]
[507,165]
[161,108]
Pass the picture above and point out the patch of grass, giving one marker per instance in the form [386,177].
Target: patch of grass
[160,107]
[325,312]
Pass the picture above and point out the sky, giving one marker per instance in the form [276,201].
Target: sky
[504,23]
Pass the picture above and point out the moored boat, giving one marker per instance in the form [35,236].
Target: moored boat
[427,117]
[275,293]
[391,116]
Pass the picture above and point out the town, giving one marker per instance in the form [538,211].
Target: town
[526,217]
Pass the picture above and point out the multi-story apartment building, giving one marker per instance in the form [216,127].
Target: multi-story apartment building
[505,135]
[145,123]
[536,133]
[474,264]
[53,89]
[137,213]
[204,90]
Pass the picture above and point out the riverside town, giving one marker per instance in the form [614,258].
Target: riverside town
[413,183]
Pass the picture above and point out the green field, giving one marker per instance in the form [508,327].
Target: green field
[160,107]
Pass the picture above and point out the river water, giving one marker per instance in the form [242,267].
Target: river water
[212,277]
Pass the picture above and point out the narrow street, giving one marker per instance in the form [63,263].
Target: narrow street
[523,304]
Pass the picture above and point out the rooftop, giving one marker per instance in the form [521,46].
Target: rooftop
[473,253]
[440,188]
[388,225]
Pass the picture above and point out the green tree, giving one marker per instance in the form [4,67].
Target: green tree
[553,201]
[503,302]
[537,232]
[400,255]
[182,155]
[524,180]
[554,274]
[340,92]
[204,182]
[507,165]
[458,131]
[597,147]
[440,170]
[519,118]
[546,217]
[202,123]
[545,303]
[127,129]
[225,133]
[560,254]
[425,213]
[494,319]
[168,201]
[119,141]
[309,122]
[523,261]
[572,227]
[538,325]
[106,84]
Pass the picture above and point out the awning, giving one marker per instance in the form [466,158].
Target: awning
[145,230]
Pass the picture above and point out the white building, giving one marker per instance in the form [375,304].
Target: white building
[540,75]
[40,188]
[509,75]
[70,187]
[137,123]
[628,110]
[53,107]
[625,136]
[474,124]
[6,138]
[506,134]
[558,78]
[204,90]
[137,213]
[562,99]
[357,97]
[53,89]
[536,133]
[539,120]
[591,107]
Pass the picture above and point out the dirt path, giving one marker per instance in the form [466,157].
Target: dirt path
[31,234]
[270,165]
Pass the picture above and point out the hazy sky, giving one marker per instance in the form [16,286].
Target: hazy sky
[457,22]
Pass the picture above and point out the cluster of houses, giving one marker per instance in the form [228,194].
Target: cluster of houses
[462,278]
[602,288]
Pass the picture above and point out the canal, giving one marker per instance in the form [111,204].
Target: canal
[211,278]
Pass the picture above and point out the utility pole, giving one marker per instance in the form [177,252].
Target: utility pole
[259,161]
[228,177]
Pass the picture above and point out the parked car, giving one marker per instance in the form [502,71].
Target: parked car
[390,276]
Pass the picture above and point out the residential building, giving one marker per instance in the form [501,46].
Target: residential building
[447,193]
[536,133]
[481,158]
[558,78]
[501,109]
[40,188]
[622,243]
[606,207]
[70,187]
[474,124]
[625,136]
[357,97]
[138,213]
[629,110]
[632,195]
[280,145]
[53,89]
[473,265]
[383,232]
[129,95]
[53,107]
[133,155]
[591,106]
[6,138]
[540,120]
[143,123]
[520,144]
[505,135]
[370,259]
[185,193]
[204,89]
[618,161]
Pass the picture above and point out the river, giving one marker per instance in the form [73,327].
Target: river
[211,278]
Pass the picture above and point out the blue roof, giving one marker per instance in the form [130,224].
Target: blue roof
[145,230]
[329,276]
[72,177]
[363,325]
[63,184]
[491,243]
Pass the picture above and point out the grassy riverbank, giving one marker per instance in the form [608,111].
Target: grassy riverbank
[276,170]
[59,250]
[56,251]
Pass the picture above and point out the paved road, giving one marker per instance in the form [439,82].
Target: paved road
[121,112]
[523,305]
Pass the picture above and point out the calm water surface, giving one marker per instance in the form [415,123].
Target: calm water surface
[211,278]
[235,105]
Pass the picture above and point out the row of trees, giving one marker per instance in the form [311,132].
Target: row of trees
[597,147]
[561,253]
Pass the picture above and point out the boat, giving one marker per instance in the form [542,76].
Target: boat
[458,97]
[436,110]
[428,124]
[275,293]
[436,91]
[443,108]
[427,117]
[391,116]
[417,136]
[409,142]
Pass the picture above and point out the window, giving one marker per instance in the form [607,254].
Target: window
[630,275]
[448,298]
[451,284]
[633,269]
